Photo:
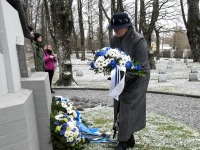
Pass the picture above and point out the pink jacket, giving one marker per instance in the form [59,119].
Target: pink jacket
[50,64]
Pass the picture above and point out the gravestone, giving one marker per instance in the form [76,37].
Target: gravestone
[193,77]
[79,72]
[189,66]
[162,71]
[194,70]
[162,77]
[169,66]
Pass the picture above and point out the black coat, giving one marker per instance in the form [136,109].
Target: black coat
[132,100]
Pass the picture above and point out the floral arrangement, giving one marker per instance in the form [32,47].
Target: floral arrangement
[65,133]
[107,59]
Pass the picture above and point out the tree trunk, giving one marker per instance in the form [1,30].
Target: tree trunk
[61,13]
[136,14]
[147,29]
[90,28]
[120,7]
[193,28]
[157,53]
[75,43]
[81,29]
[100,24]
[49,24]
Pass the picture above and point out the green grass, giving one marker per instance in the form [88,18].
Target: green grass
[161,133]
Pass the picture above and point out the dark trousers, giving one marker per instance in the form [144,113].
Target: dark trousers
[51,73]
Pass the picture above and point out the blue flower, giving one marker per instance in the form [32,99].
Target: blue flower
[65,115]
[62,132]
[100,53]
[128,65]
[64,126]
[56,123]
[74,130]
[112,64]
[97,54]
[69,119]
[138,67]
[103,52]
[92,65]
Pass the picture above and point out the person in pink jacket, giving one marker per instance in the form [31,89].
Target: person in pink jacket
[50,63]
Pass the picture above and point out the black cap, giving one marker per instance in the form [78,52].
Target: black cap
[36,36]
[119,20]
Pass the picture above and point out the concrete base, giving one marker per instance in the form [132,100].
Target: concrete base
[38,82]
[18,126]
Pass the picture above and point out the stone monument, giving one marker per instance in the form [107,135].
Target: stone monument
[24,101]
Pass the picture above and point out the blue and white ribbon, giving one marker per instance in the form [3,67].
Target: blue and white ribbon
[117,84]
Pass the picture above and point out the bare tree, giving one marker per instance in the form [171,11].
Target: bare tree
[79,2]
[192,25]
[61,18]
[100,24]
[90,27]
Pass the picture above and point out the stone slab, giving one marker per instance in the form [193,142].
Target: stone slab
[193,77]
[38,82]
[10,28]
[18,123]
[162,78]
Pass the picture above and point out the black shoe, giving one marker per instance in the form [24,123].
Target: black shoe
[52,91]
[121,146]
[131,141]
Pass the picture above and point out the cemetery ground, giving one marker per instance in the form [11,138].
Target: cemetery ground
[173,104]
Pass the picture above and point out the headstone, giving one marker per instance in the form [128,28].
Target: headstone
[169,66]
[185,61]
[170,62]
[79,72]
[194,70]
[162,78]
[25,56]
[162,71]
[189,66]
[193,77]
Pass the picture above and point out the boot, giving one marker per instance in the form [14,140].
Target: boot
[131,141]
[121,146]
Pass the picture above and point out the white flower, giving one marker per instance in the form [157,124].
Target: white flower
[71,133]
[69,110]
[64,105]
[106,62]
[66,133]
[59,117]
[71,139]
[122,63]
[71,125]
[100,69]
[113,53]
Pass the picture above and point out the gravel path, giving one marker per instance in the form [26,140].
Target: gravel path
[183,109]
